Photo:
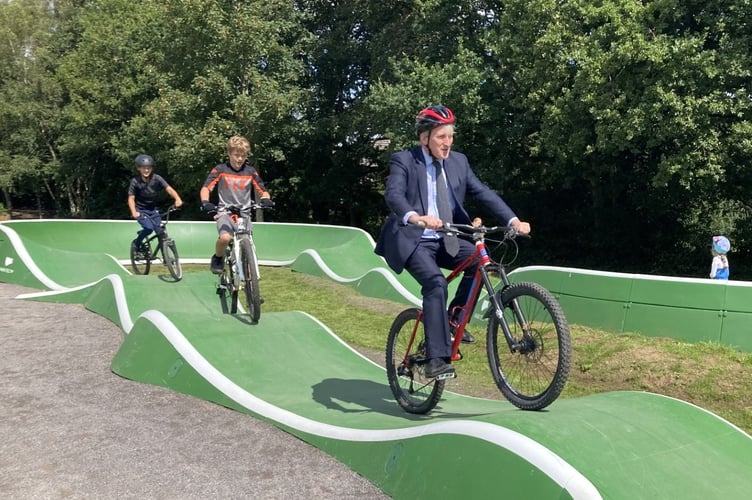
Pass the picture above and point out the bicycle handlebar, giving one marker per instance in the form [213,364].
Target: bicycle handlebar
[237,210]
[165,213]
[510,232]
[171,208]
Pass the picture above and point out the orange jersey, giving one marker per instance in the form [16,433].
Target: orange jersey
[234,187]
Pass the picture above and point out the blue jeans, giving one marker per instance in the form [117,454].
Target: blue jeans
[149,221]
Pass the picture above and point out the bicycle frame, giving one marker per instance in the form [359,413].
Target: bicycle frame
[164,219]
[480,279]
[154,255]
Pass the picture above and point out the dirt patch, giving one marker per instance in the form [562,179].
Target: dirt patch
[71,428]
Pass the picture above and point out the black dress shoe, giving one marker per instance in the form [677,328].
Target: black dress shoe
[438,366]
[467,338]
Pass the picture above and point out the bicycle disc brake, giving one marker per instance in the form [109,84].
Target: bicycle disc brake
[531,345]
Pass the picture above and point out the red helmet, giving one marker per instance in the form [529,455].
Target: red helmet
[433,116]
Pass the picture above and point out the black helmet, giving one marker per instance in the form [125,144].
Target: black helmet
[433,116]
[144,161]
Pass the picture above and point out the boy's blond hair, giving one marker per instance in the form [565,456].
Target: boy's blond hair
[238,143]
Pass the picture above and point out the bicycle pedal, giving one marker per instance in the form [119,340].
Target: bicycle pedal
[445,376]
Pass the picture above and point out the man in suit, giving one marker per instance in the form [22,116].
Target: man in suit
[410,238]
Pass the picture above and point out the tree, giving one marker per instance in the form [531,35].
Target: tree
[108,80]
[219,68]
[365,70]
[30,102]
[629,111]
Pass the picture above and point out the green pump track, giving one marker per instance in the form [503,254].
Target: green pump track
[292,371]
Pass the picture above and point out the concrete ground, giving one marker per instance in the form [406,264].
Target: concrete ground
[70,428]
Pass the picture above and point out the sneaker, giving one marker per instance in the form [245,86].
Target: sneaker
[437,367]
[217,264]
[145,250]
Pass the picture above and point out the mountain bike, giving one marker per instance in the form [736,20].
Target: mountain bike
[241,270]
[527,339]
[141,258]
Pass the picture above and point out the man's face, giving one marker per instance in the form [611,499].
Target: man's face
[237,158]
[145,171]
[439,141]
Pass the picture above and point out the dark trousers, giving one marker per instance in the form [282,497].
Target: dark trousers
[150,221]
[425,266]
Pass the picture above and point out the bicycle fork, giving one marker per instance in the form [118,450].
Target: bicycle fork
[237,269]
[236,252]
[253,249]
[497,309]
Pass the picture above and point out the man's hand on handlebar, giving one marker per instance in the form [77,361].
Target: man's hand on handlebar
[521,227]
[426,221]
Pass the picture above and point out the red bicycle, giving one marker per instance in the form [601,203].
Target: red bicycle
[527,338]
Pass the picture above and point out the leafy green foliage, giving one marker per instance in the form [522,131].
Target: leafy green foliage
[620,129]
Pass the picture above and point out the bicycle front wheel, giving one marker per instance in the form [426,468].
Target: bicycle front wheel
[532,373]
[251,284]
[140,261]
[405,365]
[231,280]
[171,259]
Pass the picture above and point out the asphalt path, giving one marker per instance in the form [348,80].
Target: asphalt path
[70,428]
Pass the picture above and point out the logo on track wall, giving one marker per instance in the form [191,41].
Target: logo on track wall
[6,265]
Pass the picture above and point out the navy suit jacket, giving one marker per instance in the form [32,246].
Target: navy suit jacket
[407,190]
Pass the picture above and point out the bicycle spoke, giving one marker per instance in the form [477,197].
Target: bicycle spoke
[171,259]
[405,359]
[532,372]
[140,258]
[251,284]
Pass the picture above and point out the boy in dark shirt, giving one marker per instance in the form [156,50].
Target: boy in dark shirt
[142,197]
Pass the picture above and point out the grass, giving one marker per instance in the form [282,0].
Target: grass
[712,376]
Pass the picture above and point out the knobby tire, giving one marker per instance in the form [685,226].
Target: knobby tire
[171,259]
[405,370]
[139,264]
[251,284]
[534,378]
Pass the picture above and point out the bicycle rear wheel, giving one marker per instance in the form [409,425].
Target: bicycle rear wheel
[532,375]
[251,285]
[140,262]
[171,259]
[405,364]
